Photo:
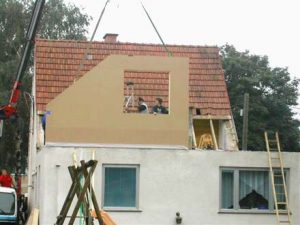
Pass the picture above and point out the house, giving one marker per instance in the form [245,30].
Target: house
[151,166]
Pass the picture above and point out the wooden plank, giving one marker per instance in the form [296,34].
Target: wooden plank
[213,134]
[33,218]
[1,127]
[245,122]
[283,178]
[273,174]
[105,216]
[192,136]
[82,192]
[208,117]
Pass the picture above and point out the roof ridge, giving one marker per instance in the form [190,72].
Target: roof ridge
[126,43]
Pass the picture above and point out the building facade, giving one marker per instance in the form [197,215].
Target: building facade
[150,165]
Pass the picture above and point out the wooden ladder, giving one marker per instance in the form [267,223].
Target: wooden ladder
[231,130]
[280,195]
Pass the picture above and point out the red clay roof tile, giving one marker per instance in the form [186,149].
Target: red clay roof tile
[57,63]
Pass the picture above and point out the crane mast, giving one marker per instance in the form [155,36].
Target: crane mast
[9,110]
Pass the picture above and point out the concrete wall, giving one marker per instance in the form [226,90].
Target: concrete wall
[171,180]
[91,110]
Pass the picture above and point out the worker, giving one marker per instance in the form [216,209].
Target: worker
[5,179]
[159,108]
[142,106]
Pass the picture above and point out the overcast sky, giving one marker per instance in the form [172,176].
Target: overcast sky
[265,27]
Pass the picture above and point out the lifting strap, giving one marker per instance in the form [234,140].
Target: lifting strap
[95,30]
[162,41]
[90,43]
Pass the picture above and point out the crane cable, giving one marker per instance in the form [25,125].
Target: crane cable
[90,43]
[94,33]
[162,41]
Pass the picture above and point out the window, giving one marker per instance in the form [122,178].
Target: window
[227,190]
[248,189]
[146,92]
[253,190]
[7,203]
[120,186]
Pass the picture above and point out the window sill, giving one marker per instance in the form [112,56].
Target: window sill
[122,209]
[249,211]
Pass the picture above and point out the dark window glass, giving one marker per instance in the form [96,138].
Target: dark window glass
[120,187]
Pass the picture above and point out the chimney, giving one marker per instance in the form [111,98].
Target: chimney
[110,38]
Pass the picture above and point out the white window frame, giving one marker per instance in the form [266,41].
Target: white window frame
[236,208]
[119,208]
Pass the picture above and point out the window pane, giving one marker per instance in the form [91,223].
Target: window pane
[278,181]
[7,204]
[120,187]
[254,190]
[227,189]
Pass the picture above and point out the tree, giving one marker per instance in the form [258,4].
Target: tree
[59,21]
[273,93]
[62,21]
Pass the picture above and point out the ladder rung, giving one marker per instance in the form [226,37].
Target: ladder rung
[272,141]
[275,158]
[273,149]
[283,211]
[284,221]
[277,175]
[281,203]
[280,193]
[278,184]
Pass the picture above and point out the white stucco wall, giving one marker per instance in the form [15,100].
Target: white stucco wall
[170,180]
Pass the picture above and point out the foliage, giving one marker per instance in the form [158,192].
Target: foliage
[272,95]
[62,21]
[59,21]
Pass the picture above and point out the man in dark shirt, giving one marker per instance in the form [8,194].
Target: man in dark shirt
[142,106]
[159,108]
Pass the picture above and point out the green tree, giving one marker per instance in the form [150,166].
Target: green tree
[272,92]
[63,21]
[59,21]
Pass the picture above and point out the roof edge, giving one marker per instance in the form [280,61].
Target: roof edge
[126,43]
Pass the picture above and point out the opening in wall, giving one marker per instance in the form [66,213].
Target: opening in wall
[206,133]
[120,186]
[146,92]
[248,189]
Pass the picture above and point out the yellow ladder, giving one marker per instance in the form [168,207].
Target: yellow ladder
[280,195]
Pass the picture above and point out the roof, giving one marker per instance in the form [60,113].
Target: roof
[57,65]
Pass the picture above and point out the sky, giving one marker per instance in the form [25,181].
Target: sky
[264,27]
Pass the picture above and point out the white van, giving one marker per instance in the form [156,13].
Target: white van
[8,206]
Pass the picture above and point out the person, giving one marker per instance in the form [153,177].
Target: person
[142,106]
[5,179]
[159,108]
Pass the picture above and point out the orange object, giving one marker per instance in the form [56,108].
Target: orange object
[205,141]
[106,218]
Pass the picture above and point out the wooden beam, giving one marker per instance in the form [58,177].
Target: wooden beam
[192,136]
[33,218]
[210,117]
[93,194]
[245,122]
[213,134]
[82,192]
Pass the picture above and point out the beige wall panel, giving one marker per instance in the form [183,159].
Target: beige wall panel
[91,110]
